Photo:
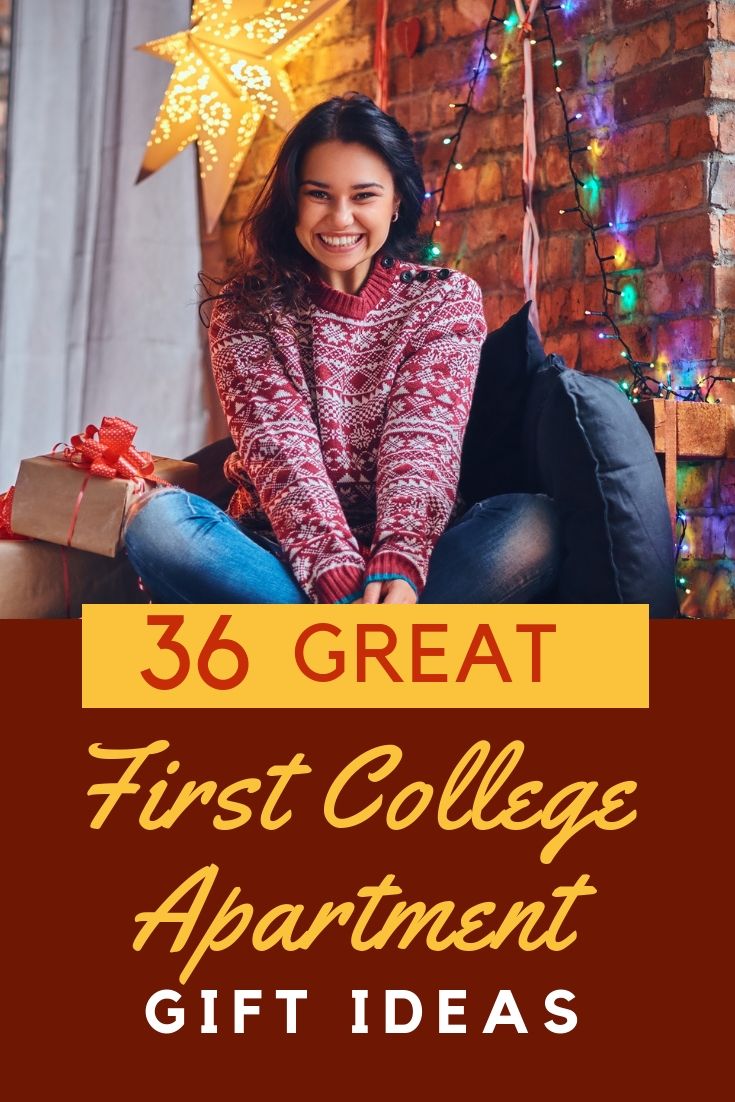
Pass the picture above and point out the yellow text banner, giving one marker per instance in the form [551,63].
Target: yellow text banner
[358,656]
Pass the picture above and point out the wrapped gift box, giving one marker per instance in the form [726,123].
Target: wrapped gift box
[32,584]
[47,495]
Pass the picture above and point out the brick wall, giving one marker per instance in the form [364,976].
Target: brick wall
[654,80]
[5,14]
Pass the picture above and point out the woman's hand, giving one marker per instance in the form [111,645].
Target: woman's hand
[393,592]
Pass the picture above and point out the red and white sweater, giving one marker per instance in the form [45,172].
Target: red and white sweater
[348,422]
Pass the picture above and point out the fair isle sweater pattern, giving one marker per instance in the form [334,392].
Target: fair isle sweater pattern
[348,422]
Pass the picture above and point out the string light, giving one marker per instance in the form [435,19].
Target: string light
[463,108]
[644,384]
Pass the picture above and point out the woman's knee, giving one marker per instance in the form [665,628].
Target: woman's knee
[153,516]
[530,527]
[536,537]
[152,503]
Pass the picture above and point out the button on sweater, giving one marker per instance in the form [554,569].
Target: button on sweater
[348,422]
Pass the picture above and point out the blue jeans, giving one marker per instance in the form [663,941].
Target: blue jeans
[187,551]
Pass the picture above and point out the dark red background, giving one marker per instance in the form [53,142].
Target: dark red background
[647,967]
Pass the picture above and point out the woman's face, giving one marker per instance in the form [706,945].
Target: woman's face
[346,202]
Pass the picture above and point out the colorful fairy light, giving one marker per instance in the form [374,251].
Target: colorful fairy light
[588,195]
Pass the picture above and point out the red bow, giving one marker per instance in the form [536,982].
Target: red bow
[6,508]
[112,455]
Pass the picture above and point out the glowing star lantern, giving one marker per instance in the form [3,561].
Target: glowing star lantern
[229,71]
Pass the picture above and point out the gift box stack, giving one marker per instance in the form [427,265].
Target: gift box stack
[63,523]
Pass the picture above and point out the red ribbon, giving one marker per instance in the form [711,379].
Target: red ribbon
[380,56]
[6,508]
[112,454]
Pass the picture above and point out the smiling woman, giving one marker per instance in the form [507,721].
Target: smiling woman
[346,370]
[342,224]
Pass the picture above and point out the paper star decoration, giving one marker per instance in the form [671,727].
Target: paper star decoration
[229,71]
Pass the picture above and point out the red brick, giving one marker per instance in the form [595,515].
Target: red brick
[510,304]
[566,76]
[510,76]
[239,203]
[720,82]
[599,357]
[661,193]
[722,176]
[487,93]
[725,287]
[696,485]
[478,134]
[631,249]
[414,112]
[505,130]
[462,17]
[728,346]
[689,290]
[399,9]
[490,183]
[363,13]
[692,135]
[561,305]
[726,21]
[684,239]
[626,52]
[727,483]
[565,345]
[499,223]
[439,65]
[510,272]
[729,537]
[706,536]
[727,233]
[442,115]
[631,11]
[552,164]
[668,86]
[550,120]
[634,150]
[512,172]
[583,20]
[450,236]
[492,307]
[483,268]
[549,218]
[460,189]
[696,25]
[263,155]
[556,258]
[726,137]
[363,82]
[693,338]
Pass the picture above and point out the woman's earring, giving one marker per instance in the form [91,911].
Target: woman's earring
[395,216]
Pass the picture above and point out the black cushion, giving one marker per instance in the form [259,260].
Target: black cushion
[586,448]
[492,456]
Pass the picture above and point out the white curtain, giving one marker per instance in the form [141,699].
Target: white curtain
[98,295]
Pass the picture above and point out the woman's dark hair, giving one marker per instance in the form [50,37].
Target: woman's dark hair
[270,271]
